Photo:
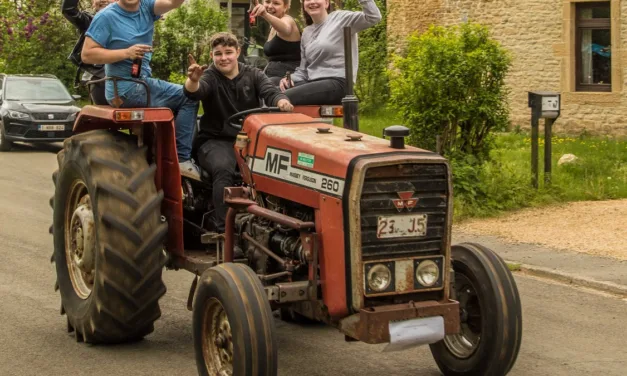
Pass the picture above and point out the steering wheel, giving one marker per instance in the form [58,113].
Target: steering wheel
[240,116]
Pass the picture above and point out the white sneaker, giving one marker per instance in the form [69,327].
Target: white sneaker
[189,169]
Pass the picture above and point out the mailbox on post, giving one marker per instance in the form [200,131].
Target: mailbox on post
[546,105]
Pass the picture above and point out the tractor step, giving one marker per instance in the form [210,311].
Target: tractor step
[196,261]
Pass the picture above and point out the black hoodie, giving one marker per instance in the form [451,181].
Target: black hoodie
[81,20]
[222,97]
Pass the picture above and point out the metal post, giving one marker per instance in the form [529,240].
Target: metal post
[548,125]
[350,102]
[229,12]
[534,149]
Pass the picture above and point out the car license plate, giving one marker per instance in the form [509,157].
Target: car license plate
[401,226]
[52,127]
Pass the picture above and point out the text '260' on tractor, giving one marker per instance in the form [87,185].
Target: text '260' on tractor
[324,223]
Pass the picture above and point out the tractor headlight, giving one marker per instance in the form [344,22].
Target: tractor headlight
[427,273]
[379,278]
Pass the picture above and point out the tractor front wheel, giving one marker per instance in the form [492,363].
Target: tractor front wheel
[108,238]
[490,316]
[5,145]
[233,328]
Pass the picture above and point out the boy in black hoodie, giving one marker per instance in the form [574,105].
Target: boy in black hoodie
[225,88]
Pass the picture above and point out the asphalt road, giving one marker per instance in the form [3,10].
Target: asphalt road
[566,331]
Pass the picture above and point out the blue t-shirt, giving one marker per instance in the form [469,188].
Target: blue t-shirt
[115,28]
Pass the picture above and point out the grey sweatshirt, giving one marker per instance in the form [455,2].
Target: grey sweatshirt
[322,45]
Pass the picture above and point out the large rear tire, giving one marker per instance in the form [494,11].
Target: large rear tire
[490,315]
[108,238]
[233,328]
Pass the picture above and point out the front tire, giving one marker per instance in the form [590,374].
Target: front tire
[233,328]
[490,315]
[108,238]
[5,145]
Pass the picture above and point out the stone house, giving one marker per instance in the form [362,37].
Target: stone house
[557,45]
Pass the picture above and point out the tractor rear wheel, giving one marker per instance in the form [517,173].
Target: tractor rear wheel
[108,238]
[233,328]
[490,316]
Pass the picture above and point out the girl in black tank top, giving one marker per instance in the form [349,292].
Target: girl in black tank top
[283,46]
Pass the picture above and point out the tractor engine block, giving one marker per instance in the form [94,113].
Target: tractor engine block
[283,242]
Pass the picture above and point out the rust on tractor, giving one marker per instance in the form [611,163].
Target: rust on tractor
[360,171]
[371,325]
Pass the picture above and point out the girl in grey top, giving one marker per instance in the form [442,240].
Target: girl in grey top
[320,78]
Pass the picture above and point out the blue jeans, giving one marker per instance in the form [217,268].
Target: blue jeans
[166,94]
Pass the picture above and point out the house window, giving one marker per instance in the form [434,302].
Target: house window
[593,47]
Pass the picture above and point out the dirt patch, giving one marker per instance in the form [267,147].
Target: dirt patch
[593,227]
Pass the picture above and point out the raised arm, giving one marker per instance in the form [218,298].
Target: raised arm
[81,20]
[358,21]
[199,81]
[284,25]
[164,6]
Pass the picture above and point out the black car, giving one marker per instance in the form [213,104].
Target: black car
[35,108]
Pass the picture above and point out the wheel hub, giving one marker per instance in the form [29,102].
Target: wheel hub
[218,340]
[464,344]
[80,242]
[83,226]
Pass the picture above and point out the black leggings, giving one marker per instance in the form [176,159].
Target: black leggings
[323,91]
[217,158]
[276,70]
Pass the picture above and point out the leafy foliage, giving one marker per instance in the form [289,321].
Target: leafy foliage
[185,30]
[36,39]
[450,82]
[372,86]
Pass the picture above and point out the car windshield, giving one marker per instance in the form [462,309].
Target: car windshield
[33,89]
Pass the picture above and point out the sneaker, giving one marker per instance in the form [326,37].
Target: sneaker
[189,169]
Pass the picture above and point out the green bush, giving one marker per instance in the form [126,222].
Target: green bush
[450,82]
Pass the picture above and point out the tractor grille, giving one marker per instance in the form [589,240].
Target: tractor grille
[55,115]
[381,186]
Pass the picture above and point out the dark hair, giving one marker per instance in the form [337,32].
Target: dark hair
[224,39]
[308,20]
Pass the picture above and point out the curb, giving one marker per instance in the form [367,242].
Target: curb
[539,271]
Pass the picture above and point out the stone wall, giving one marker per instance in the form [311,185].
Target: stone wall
[540,36]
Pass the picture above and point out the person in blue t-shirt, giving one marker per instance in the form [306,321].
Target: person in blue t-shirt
[124,32]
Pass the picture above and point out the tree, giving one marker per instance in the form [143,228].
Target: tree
[36,39]
[185,30]
[450,82]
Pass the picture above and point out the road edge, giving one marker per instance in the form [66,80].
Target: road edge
[557,275]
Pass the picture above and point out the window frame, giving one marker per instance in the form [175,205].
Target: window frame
[590,24]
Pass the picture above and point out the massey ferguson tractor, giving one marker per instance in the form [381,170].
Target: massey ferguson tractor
[324,223]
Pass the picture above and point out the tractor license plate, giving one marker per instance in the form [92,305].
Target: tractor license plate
[401,226]
[52,127]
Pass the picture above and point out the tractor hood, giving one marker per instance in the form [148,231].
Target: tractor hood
[296,149]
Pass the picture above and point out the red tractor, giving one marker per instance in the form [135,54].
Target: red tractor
[324,223]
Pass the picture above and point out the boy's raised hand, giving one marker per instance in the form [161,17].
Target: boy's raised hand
[195,71]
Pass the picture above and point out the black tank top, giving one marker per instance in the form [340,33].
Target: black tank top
[277,49]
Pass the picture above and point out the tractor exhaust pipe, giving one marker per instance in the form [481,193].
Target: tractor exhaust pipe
[350,103]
